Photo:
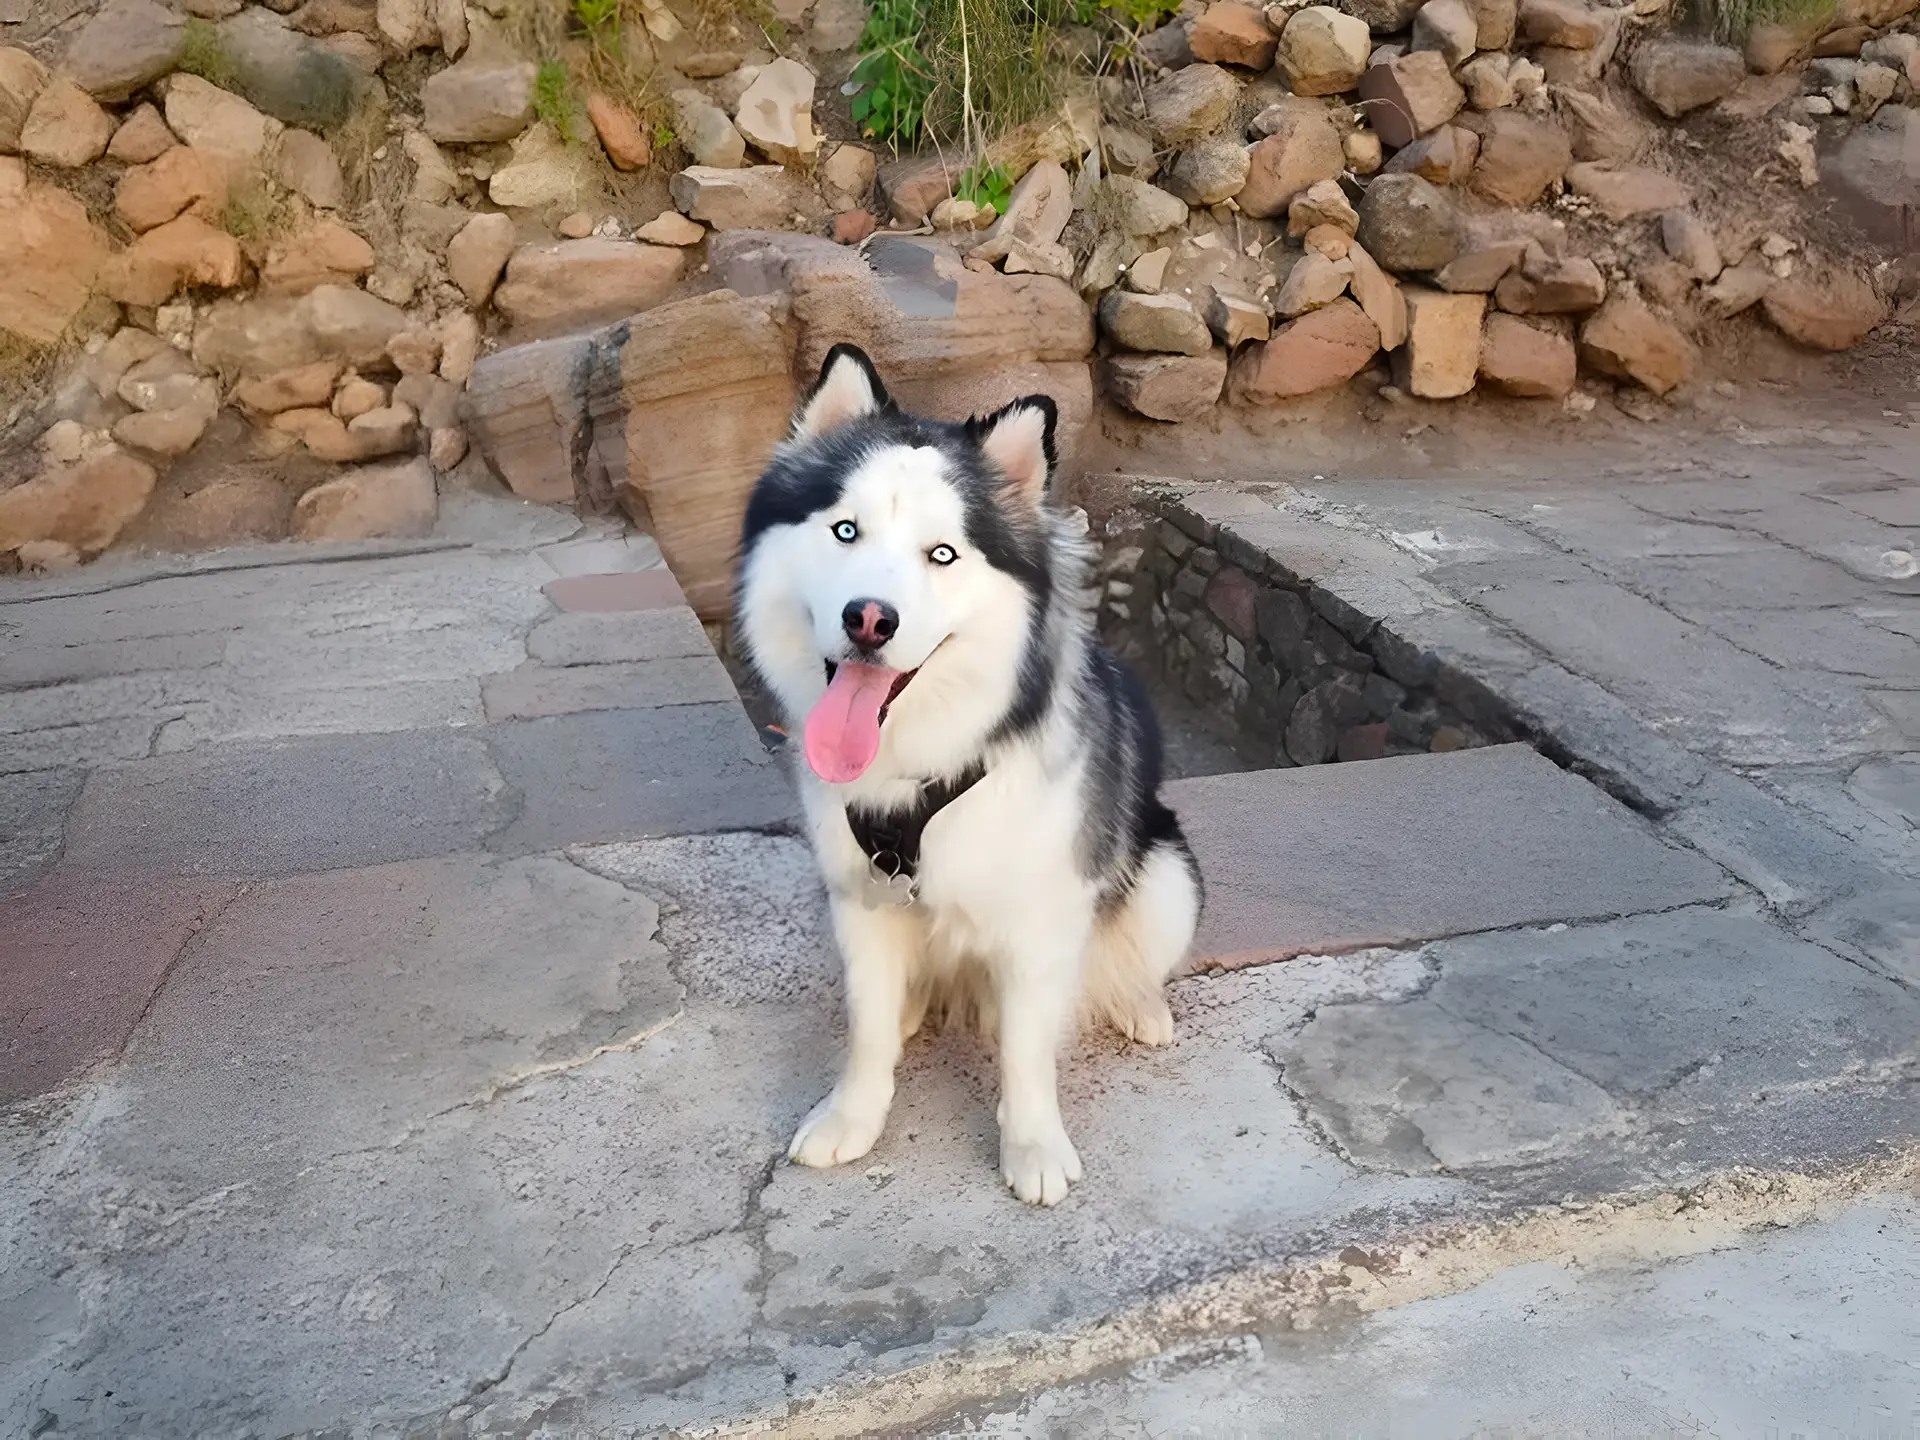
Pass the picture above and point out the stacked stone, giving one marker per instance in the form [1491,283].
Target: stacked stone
[1216,618]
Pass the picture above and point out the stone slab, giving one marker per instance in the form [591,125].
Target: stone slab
[602,555]
[534,691]
[29,665]
[635,774]
[608,637]
[1338,857]
[33,822]
[626,590]
[289,806]
[82,961]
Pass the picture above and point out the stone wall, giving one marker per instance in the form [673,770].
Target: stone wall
[1305,678]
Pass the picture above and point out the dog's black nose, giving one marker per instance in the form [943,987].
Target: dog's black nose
[869,623]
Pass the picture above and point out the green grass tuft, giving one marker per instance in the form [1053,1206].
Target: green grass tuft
[1730,21]
[203,54]
[553,97]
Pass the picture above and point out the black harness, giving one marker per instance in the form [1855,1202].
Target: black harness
[892,840]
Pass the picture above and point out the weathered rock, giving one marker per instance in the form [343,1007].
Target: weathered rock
[626,144]
[1323,348]
[143,136]
[1599,129]
[182,180]
[1362,150]
[1133,207]
[325,253]
[171,431]
[1147,272]
[1191,104]
[1772,47]
[776,113]
[1407,224]
[106,367]
[1441,356]
[301,387]
[479,100]
[218,122]
[308,166]
[1488,81]
[543,171]
[1487,255]
[1128,152]
[1688,240]
[1159,324]
[1581,66]
[408,24]
[1408,95]
[1495,23]
[1520,157]
[459,336]
[1209,172]
[1301,151]
[572,283]
[1328,240]
[162,380]
[1322,203]
[1232,34]
[477,255]
[1235,321]
[1449,27]
[1165,387]
[1026,258]
[1168,47]
[1323,51]
[762,197]
[1444,157]
[351,324]
[1624,191]
[1626,339]
[670,227]
[577,226]
[1877,170]
[22,78]
[1831,312]
[1313,282]
[707,132]
[1379,297]
[126,46]
[1740,287]
[84,506]
[1037,211]
[65,127]
[370,503]
[847,176]
[435,181]
[50,254]
[434,400]
[1551,285]
[1567,24]
[1678,76]
[1526,359]
[184,251]
[912,188]
[1383,17]
[384,430]
[292,77]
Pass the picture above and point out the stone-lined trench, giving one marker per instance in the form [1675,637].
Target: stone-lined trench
[1216,624]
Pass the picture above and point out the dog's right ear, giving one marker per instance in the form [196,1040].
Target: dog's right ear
[849,387]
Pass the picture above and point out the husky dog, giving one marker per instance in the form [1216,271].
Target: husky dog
[981,778]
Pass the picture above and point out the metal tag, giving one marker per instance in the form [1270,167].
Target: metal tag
[886,886]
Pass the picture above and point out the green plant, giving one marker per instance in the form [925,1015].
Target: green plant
[1730,20]
[663,136]
[203,54]
[553,97]
[598,15]
[256,211]
[894,75]
[989,185]
[1141,13]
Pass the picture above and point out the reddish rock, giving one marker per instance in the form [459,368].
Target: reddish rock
[1409,95]
[1525,359]
[184,251]
[1303,150]
[1626,339]
[626,144]
[1230,595]
[300,387]
[1546,285]
[550,288]
[850,227]
[326,253]
[1380,296]
[50,254]
[1831,313]
[84,506]
[1233,34]
[1567,24]
[182,179]
[1520,156]
[1323,348]
[368,503]
[1441,356]
[912,188]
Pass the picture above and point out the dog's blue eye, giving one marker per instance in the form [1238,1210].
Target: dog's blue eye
[943,555]
[845,531]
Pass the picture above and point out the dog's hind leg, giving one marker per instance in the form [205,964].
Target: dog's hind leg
[1141,943]
[882,949]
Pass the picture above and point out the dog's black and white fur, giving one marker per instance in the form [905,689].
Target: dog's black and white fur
[924,553]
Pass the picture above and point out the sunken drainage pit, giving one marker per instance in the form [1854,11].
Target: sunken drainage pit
[1251,665]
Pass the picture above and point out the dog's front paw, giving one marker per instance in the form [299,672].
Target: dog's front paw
[1040,1169]
[833,1136]
[1150,1023]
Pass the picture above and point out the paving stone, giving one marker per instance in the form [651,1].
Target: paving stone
[29,665]
[1409,849]
[289,806]
[1686,683]
[1773,578]
[608,637]
[535,690]
[634,590]
[83,960]
[1534,1040]
[631,774]
[83,744]
[602,555]
[33,822]
[1844,641]
[1880,929]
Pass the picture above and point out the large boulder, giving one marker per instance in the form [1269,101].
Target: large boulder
[84,506]
[1830,312]
[1625,338]
[1408,95]
[294,78]
[1232,34]
[1408,224]
[65,127]
[22,78]
[760,197]
[1165,387]
[370,502]
[1522,358]
[1154,324]
[484,98]
[573,283]
[126,46]
[1323,51]
[1678,76]
[1441,357]
[1520,157]
[1301,149]
[1323,348]
[219,122]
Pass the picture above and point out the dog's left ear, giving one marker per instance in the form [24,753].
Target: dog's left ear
[848,388]
[1019,439]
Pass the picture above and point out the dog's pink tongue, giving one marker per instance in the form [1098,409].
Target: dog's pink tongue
[843,729]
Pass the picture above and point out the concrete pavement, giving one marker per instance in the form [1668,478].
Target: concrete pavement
[413,979]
